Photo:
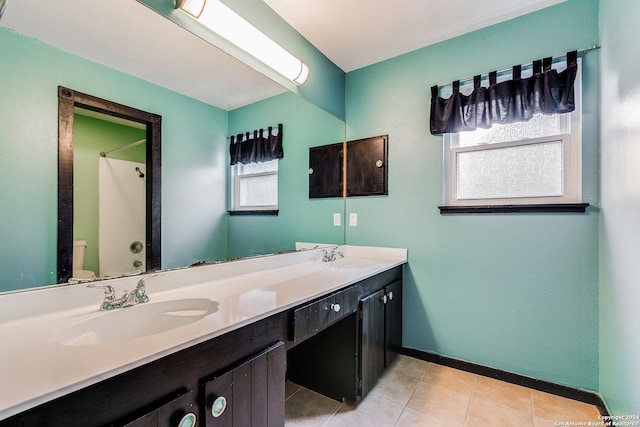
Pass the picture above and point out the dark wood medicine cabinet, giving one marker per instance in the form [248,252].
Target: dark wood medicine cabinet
[361,163]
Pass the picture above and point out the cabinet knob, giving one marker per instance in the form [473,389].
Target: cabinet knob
[335,307]
[384,299]
[390,295]
[379,163]
[310,171]
[218,406]
[188,420]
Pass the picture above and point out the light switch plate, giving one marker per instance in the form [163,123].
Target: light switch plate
[353,219]
[337,220]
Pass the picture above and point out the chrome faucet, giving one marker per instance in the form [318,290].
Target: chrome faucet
[333,255]
[137,296]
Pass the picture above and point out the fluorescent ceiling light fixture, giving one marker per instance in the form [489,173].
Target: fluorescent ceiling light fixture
[232,27]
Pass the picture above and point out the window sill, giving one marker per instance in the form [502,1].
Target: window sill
[541,208]
[257,212]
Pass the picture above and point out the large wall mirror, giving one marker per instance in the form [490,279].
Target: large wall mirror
[41,136]
[125,225]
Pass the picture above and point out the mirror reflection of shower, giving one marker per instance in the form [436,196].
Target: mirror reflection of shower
[122,215]
[109,196]
[125,147]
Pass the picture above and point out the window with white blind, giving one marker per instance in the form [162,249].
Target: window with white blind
[255,186]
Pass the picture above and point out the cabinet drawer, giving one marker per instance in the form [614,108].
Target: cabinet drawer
[312,318]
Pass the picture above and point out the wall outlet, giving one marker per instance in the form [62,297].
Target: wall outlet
[353,219]
[337,220]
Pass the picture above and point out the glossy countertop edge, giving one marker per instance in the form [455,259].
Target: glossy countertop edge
[231,281]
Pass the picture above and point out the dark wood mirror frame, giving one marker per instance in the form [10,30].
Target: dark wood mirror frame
[67,100]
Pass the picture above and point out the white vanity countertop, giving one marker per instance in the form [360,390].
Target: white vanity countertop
[35,367]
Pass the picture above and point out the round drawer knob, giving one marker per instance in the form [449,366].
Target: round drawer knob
[390,296]
[218,406]
[310,171]
[384,299]
[335,307]
[188,420]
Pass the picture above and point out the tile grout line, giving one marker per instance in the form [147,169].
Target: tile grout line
[406,405]
[473,390]
[333,415]
[510,408]
[533,411]
[293,394]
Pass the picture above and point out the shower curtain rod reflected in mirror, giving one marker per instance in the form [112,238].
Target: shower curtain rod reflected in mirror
[125,147]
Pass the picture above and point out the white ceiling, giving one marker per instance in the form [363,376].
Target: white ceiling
[357,33]
[130,37]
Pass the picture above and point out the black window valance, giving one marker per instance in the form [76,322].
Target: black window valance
[261,147]
[547,91]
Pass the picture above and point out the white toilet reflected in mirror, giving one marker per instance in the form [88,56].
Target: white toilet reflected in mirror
[78,273]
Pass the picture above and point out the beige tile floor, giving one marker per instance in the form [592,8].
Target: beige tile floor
[415,393]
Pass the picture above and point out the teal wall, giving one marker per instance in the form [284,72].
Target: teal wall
[299,218]
[515,292]
[539,295]
[90,137]
[193,159]
[620,218]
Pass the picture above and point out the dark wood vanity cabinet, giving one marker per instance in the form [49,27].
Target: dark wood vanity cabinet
[148,420]
[380,333]
[162,392]
[179,412]
[237,379]
[372,342]
[248,395]
[349,355]
[393,322]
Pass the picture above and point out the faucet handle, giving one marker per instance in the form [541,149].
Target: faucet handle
[109,292]
[142,282]
[110,301]
[141,290]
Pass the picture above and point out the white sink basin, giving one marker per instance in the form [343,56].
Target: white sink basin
[137,321]
[351,262]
